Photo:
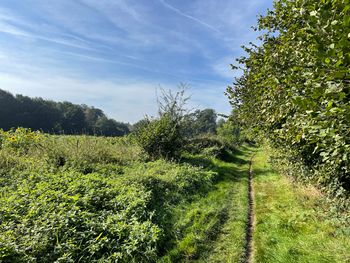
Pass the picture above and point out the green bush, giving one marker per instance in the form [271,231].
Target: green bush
[230,134]
[210,146]
[161,138]
[20,139]
[197,144]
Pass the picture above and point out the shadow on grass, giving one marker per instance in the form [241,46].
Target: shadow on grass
[225,169]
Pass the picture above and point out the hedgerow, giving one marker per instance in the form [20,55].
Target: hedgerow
[295,87]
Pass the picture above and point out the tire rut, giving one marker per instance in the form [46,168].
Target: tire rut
[250,216]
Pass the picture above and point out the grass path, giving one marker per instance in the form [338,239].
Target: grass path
[213,228]
[290,223]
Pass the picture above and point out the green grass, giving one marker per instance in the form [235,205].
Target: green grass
[65,198]
[291,225]
[212,227]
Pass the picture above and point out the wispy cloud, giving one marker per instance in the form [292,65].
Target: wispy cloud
[103,52]
[178,11]
[17,26]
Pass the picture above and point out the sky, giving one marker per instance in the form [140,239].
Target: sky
[115,54]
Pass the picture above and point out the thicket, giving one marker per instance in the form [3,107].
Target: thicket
[56,117]
[294,90]
[88,199]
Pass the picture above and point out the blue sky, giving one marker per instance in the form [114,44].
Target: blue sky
[113,54]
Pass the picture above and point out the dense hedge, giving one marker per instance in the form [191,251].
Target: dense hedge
[295,89]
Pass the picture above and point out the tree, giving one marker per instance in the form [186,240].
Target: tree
[110,127]
[163,137]
[295,88]
[55,117]
[200,122]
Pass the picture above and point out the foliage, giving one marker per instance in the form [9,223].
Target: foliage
[295,87]
[230,133]
[200,122]
[198,144]
[55,117]
[20,139]
[69,216]
[210,146]
[161,138]
[73,198]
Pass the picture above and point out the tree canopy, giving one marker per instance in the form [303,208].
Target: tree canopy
[295,86]
[56,117]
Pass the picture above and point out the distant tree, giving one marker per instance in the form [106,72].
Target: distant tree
[55,117]
[92,115]
[73,118]
[8,109]
[220,122]
[206,121]
[140,124]
[200,122]
[109,127]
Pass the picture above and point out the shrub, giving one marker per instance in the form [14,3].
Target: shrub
[105,216]
[161,138]
[210,146]
[69,216]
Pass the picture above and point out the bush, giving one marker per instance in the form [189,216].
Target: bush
[230,133]
[198,144]
[107,216]
[69,216]
[161,138]
[211,146]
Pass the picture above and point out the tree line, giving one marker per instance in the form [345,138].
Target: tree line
[68,118]
[56,117]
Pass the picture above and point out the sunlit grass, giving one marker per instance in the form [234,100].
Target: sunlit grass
[212,228]
[290,223]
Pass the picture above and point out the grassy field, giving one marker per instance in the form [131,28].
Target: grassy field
[291,223]
[90,199]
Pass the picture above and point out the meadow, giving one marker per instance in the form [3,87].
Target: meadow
[98,199]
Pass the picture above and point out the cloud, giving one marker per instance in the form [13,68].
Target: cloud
[224,69]
[112,54]
[116,98]
[12,30]
[178,11]
[18,26]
